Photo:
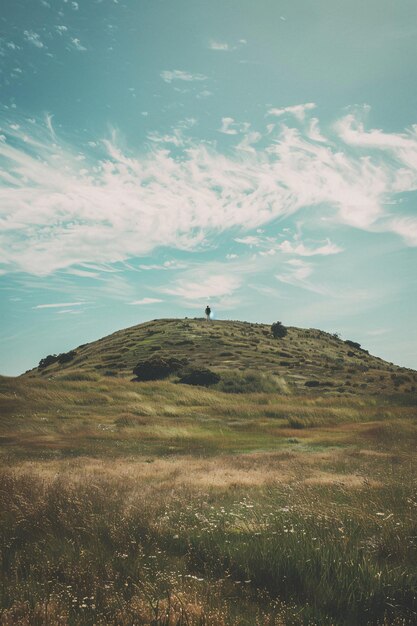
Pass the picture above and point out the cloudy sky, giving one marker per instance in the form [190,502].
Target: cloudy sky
[157,155]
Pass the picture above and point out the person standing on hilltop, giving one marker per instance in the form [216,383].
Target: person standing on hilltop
[208,312]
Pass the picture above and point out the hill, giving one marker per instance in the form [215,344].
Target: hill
[305,360]
[163,503]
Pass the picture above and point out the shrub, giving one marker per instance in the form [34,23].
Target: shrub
[201,376]
[312,383]
[48,360]
[157,368]
[399,379]
[353,344]
[278,330]
[66,357]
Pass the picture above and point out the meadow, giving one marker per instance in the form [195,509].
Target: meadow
[157,503]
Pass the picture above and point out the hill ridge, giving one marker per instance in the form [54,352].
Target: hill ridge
[303,360]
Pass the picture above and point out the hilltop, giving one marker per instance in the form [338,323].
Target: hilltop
[305,360]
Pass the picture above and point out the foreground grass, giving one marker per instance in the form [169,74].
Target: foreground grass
[126,503]
[102,544]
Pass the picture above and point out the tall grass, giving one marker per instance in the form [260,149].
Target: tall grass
[114,548]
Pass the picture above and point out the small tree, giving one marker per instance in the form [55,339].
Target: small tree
[278,330]
[48,360]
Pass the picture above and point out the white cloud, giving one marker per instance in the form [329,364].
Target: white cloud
[249,240]
[61,28]
[406,227]
[248,140]
[57,211]
[33,38]
[73,311]
[296,273]
[313,132]
[270,246]
[219,46]
[167,265]
[58,305]
[82,273]
[402,145]
[298,110]
[198,286]
[226,126]
[170,75]
[222,46]
[176,138]
[352,131]
[146,301]
[77,45]
[302,250]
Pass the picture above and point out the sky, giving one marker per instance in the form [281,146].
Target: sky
[160,155]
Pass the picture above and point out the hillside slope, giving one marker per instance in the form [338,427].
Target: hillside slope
[305,360]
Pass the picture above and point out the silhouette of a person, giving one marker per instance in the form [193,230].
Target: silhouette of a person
[208,311]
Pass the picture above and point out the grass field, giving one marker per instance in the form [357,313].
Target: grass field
[169,505]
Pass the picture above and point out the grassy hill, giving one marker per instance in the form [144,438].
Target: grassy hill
[303,360]
[257,501]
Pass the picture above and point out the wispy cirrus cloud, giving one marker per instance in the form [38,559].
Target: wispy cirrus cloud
[223,46]
[143,301]
[298,272]
[300,249]
[77,45]
[58,305]
[270,245]
[220,46]
[202,284]
[227,126]
[61,205]
[173,75]
[33,38]
[167,265]
[299,111]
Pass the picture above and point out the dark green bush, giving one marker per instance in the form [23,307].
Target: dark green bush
[48,360]
[158,368]
[278,330]
[66,357]
[199,376]
[353,344]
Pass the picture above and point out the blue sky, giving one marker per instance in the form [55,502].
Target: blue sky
[157,155]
